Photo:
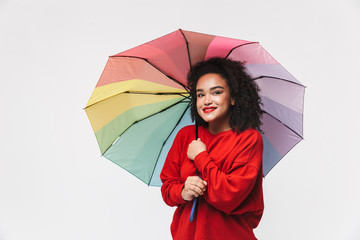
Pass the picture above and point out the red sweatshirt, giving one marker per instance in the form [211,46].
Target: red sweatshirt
[232,204]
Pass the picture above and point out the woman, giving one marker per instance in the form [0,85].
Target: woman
[223,167]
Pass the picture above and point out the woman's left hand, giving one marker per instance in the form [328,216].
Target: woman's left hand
[195,147]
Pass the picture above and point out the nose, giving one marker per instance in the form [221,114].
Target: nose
[207,99]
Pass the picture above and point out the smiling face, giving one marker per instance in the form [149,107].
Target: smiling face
[213,101]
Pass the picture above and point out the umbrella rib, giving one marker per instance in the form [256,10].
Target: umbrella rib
[283,124]
[264,75]
[159,93]
[282,79]
[173,79]
[157,159]
[241,45]
[156,93]
[187,47]
[180,94]
[183,100]
[281,158]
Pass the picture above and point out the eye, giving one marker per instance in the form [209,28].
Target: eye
[217,92]
[199,95]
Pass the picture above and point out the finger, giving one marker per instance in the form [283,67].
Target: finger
[201,186]
[196,184]
[193,187]
[197,181]
[199,191]
[196,189]
[195,194]
[191,192]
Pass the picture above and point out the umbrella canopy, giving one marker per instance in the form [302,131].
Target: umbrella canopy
[141,100]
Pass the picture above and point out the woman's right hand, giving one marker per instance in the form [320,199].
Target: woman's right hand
[194,187]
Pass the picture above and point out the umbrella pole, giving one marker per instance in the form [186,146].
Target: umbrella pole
[193,210]
[196,130]
[197,173]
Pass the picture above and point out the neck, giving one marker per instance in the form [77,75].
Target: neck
[217,128]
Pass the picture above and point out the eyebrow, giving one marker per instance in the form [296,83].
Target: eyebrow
[213,88]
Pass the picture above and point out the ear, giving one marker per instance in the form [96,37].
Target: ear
[232,101]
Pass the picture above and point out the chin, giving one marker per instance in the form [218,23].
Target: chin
[208,121]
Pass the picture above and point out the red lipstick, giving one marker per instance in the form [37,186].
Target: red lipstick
[208,109]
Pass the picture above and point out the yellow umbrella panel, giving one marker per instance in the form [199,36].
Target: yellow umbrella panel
[128,91]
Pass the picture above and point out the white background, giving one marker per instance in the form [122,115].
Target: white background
[55,185]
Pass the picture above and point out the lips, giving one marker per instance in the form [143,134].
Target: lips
[208,109]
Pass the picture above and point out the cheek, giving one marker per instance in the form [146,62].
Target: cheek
[198,103]
[199,107]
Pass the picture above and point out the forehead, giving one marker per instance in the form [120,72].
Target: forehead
[211,80]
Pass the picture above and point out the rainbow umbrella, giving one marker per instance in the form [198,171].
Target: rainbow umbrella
[141,100]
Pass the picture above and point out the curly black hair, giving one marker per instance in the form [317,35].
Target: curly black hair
[246,112]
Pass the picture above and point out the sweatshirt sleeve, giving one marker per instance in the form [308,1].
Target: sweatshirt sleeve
[170,175]
[227,190]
